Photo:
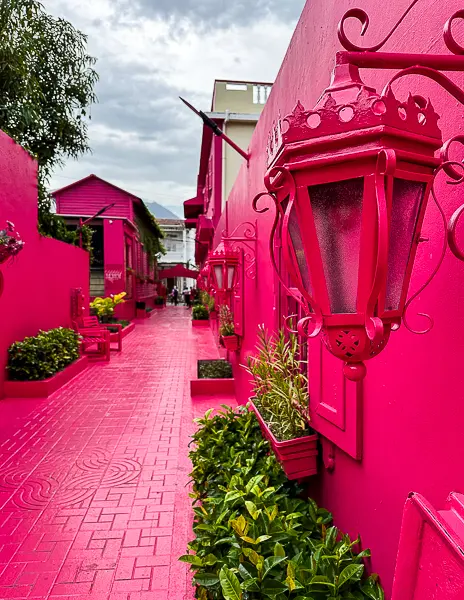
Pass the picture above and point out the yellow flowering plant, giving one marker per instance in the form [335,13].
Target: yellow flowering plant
[104,307]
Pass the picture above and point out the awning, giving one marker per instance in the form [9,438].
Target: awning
[193,208]
[191,223]
[205,229]
[178,271]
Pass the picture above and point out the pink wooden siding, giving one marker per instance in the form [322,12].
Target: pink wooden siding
[90,195]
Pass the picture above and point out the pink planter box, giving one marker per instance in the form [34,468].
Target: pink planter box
[210,387]
[298,457]
[46,387]
[125,332]
[200,323]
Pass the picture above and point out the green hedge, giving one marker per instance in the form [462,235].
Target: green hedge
[41,356]
[256,537]
[200,313]
[214,369]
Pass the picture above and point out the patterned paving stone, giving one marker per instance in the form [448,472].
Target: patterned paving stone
[93,480]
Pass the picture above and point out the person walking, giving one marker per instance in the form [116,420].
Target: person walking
[186,294]
[175,295]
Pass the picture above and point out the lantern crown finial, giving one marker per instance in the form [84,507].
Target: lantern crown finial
[347,106]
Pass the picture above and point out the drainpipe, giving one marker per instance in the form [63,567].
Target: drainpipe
[224,162]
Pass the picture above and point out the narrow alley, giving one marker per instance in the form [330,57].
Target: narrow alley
[93,485]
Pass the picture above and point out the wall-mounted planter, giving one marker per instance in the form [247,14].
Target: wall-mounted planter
[231,342]
[198,323]
[298,457]
[46,387]
[211,387]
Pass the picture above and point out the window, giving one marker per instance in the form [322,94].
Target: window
[236,87]
[261,93]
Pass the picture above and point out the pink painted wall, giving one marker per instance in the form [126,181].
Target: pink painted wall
[38,284]
[413,408]
[90,195]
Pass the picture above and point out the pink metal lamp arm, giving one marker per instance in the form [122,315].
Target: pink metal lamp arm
[362,16]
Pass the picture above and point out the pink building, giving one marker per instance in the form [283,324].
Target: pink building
[400,429]
[123,236]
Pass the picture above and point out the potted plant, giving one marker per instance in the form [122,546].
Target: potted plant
[103,308]
[10,242]
[159,302]
[227,329]
[281,402]
[200,316]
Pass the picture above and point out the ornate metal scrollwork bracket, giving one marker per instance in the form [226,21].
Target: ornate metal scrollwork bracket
[244,237]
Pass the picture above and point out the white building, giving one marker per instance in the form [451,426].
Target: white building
[180,245]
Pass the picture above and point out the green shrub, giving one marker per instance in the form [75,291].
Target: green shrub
[255,537]
[149,309]
[159,300]
[122,322]
[214,369]
[200,313]
[41,356]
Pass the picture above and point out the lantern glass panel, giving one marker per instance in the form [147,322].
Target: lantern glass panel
[298,248]
[219,276]
[337,211]
[406,202]
[230,276]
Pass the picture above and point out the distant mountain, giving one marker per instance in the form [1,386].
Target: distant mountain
[161,212]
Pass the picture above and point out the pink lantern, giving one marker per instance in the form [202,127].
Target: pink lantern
[223,266]
[350,180]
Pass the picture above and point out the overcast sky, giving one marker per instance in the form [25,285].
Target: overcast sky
[151,51]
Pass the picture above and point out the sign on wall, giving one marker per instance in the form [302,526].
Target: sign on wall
[114,279]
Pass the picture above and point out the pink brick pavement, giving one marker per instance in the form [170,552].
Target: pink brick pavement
[93,496]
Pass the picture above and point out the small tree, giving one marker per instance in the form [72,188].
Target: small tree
[46,88]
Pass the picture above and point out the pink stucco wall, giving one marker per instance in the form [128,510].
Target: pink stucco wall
[38,284]
[413,409]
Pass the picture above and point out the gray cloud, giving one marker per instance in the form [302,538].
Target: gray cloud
[214,13]
[140,133]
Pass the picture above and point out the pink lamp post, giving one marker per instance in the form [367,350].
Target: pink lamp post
[351,180]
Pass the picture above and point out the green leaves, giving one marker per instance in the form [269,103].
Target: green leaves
[206,579]
[230,584]
[191,559]
[350,573]
[41,356]
[255,538]
[47,86]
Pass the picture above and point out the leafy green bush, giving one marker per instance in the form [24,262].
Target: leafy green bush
[255,537]
[41,356]
[200,313]
[159,300]
[280,385]
[122,322]
[214,369]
